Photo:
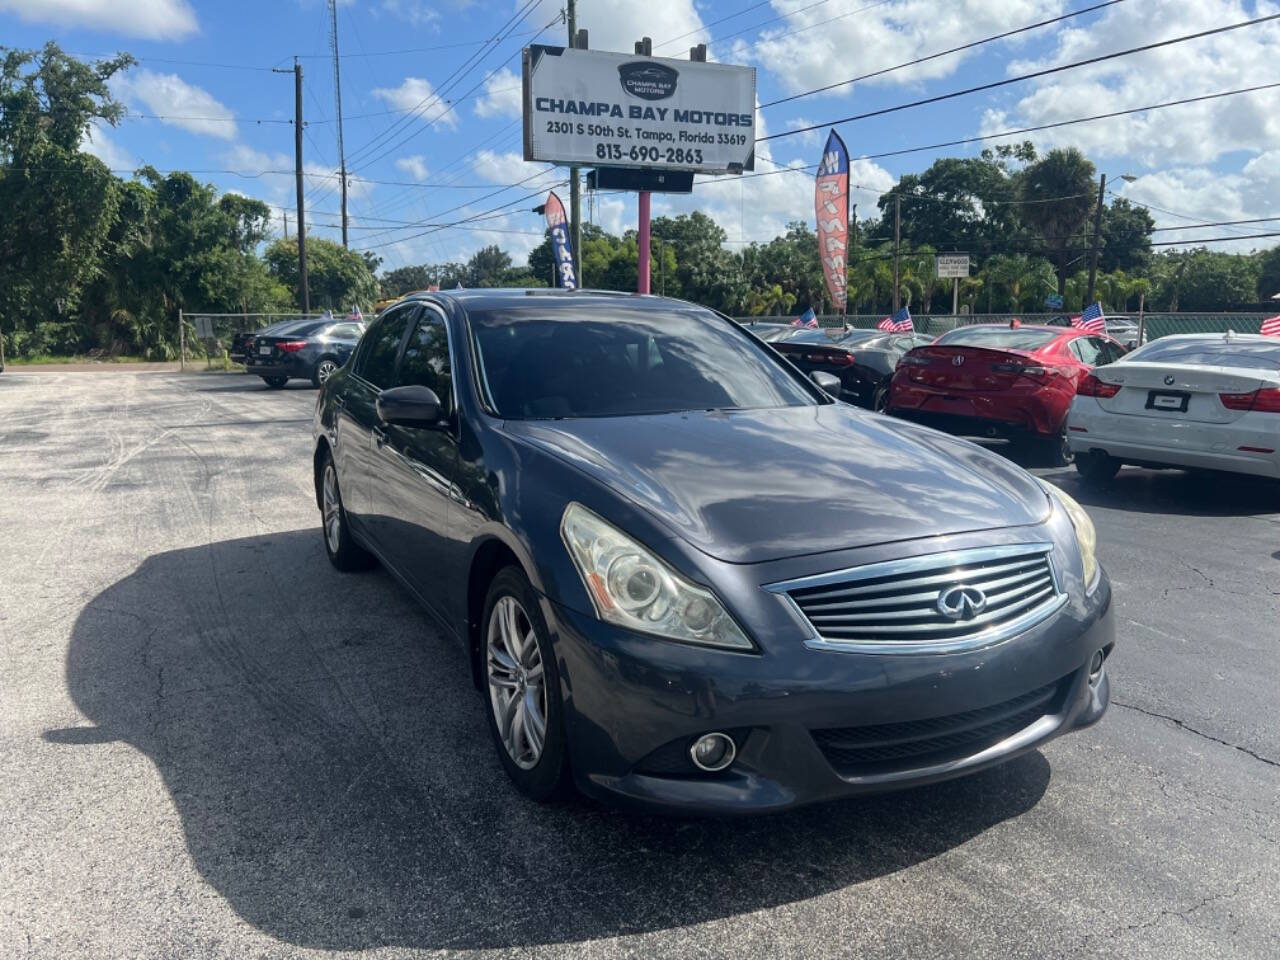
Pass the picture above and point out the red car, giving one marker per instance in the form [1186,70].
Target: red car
[991,380]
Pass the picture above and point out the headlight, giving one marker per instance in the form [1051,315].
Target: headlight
[1086,535]
[631,587]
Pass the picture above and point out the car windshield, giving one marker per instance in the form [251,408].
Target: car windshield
[1214,353]
[997,338]
[593,361]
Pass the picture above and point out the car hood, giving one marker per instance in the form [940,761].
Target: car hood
[756,485]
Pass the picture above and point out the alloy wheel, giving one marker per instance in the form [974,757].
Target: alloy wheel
[325,369]
[332,509]
[517,691]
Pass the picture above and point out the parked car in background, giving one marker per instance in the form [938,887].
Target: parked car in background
[311,350]
[1206,400]
[863,360]
[688,579]
[1123,330]
[1014,381]
[241,342]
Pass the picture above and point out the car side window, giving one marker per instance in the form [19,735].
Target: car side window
[1108,352]
[426,358]
[345,331]
[377,361]
[1086,349]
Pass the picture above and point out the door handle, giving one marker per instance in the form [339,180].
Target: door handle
[379,436]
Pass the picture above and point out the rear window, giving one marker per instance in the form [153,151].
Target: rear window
[997,338]
[1214,353]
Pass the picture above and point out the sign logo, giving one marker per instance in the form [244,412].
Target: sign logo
[648,81]
[961,602]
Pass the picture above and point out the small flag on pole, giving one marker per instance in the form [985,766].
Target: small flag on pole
[1091,320]
[900,322]
[355,315]
[806,319]
[1271,327]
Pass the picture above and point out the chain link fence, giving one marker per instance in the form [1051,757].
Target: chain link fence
[1156,324]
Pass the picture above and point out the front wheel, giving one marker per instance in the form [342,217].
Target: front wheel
[522,688]
[275,383]
[880,399]
[325,369]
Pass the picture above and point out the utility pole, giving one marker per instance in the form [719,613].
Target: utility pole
[575,184]
[302,217]
[337,96]
[1097,238]
[897,241]
[284,212]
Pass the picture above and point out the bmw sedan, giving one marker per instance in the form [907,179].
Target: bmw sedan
[309,350]
[1203,400]
[686,578]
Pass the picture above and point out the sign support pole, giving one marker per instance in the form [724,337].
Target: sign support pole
[575,181]
[642,273]
[955,296]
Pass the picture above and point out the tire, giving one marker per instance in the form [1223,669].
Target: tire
[516,648]
[1053,451]
[343,552]
[1096,468]
[880,398]
[275,383]
[325,368]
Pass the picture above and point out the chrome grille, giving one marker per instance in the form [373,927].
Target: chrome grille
[895,605]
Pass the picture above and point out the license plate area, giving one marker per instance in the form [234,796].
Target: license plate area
[1173,401]
[264,351]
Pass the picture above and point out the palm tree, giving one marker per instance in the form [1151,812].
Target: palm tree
[1057,195]
[1025,279]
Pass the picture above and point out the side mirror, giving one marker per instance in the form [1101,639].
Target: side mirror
[411,406]
[829,382]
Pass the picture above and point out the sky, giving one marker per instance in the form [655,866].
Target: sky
[431,103]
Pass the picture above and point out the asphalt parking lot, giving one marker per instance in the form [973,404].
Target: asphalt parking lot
[211,744]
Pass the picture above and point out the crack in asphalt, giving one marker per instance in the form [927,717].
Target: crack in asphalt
[1183,725]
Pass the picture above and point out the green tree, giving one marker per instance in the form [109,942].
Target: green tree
[1057,194]
[1126,236]
[1268,274]
[336,277]
[1022,281]
[487,267]
[402,280]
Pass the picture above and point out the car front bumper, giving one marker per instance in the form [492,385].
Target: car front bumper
[1178,443]
[634,705]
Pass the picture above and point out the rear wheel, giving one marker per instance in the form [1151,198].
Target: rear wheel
[344,553]
[880,399]
[1097,468]
[275,383]
[522,688]
[1054,451]
[325,369]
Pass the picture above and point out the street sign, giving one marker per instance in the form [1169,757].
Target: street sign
[952,265]
[204,328]
[1053,301]
[592,106]
[655,181]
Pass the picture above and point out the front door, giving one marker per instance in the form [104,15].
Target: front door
[415,468]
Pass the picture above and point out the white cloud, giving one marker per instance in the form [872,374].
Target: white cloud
[417,12]
[810,138]
[176,102]
[814,47]
[508,168]
[1193,134]
[501,96]
[415,166]
[100,144]
[150,19]
[618,24]
[419,96]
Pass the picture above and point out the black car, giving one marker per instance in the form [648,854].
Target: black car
[242,342]
[309,350]
[863,360]
[685,577]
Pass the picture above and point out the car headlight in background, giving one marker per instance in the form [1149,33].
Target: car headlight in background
[1086,535]
[632,588]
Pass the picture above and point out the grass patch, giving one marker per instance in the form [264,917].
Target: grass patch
[47,359]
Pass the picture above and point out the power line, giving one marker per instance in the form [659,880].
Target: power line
[940,53]
[1022,77]
[457,223]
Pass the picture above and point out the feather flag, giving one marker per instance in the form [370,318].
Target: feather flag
[558,224]
[831,207]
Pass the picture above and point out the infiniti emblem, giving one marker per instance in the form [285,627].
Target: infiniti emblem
[1169,380]
[957,359]
[961,602]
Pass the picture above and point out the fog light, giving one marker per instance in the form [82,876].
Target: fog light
[1095,667]
[713,751]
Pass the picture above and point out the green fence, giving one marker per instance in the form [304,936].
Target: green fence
[1157,324]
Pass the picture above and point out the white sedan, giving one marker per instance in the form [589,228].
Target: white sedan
[1205,400]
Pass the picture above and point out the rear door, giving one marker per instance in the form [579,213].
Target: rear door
[414,476]
[372,372]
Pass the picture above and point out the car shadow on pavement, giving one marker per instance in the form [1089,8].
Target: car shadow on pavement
[232,382]
[329,760]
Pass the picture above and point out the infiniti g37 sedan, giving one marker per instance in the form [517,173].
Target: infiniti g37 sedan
[687,578]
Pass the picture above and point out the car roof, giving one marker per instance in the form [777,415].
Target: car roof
[1220,336]
[492,298]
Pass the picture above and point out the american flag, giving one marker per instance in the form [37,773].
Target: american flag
[355,315]
[1271,327]
[900,322]
[1091,320]
[806,319]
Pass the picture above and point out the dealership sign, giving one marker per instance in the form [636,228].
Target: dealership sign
[595,108]
[952,265]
